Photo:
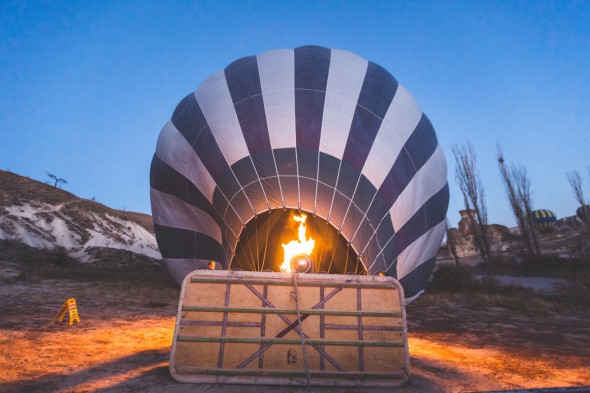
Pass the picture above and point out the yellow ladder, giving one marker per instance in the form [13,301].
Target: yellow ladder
[68,306]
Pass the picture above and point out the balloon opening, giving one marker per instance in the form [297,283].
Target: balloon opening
[271,240]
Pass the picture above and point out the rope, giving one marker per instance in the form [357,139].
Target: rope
[248,241]
[305,359]
[238,252]
[258,266]
[346,263]
[243,250]
[323,242]
[266,242]
[333,251]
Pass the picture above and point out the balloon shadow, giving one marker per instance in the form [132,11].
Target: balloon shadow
[101,372]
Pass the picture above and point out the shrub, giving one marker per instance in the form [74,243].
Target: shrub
[575,289]
[459,278]
[543,263]
[488,284]
[452,278]
[581,249]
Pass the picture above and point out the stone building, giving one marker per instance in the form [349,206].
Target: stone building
[464,240]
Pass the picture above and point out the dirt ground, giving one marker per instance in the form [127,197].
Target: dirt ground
[458,343]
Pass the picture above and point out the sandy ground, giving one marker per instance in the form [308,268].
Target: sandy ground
[457,343]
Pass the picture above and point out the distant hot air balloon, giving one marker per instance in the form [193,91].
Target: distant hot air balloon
[583,213]
[544,220]
[314,130]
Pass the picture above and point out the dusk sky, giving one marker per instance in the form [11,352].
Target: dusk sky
[87,85]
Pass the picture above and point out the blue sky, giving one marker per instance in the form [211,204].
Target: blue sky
[87,86]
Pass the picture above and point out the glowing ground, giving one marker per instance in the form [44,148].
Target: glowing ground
[457,343]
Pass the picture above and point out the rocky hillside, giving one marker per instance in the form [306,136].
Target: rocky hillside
[568,239]
[44,217]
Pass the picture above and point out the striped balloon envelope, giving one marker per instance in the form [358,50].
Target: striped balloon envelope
[544,220]
[310,129]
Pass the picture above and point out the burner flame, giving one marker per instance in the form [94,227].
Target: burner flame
[294,247]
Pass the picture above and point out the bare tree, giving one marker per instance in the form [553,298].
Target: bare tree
[575,181]
[56,180]
[467,178]
[523,186]
[518,193]
[512,195]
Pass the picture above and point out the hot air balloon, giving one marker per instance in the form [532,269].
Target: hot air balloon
[308,130]
[544,220]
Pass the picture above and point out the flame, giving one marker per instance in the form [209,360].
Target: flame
[294,247]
